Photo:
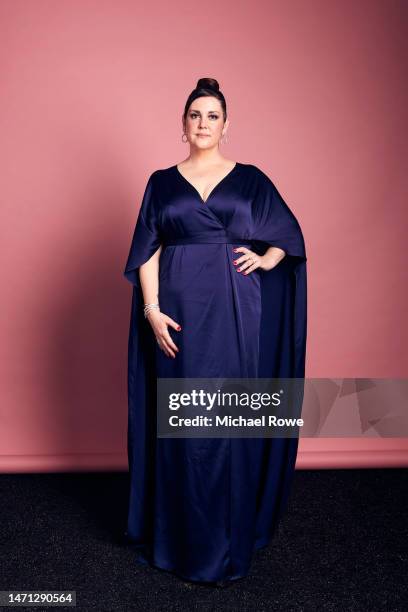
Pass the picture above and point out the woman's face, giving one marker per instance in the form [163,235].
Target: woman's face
[204,124]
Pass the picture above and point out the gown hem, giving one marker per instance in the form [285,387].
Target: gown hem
[142,559]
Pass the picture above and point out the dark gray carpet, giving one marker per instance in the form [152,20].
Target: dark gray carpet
[341,546]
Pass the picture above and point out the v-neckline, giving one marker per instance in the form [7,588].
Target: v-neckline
[204,202]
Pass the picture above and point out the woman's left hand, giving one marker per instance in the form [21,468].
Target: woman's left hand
[250,261]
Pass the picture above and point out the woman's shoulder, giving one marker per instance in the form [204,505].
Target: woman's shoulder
[257,176]
[159,176]
[258,172]
[162,171]
[156,174]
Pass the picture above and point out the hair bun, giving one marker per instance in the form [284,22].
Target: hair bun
[208,83]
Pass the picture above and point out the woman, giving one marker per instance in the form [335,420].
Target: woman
[218,268]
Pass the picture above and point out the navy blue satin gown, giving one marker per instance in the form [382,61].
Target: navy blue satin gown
[200,507]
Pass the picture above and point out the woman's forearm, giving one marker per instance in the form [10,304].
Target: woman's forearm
[273,256]
[149,278]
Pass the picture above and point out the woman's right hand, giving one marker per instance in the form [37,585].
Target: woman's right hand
[159,322]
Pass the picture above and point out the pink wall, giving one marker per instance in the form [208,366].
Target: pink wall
[91,99]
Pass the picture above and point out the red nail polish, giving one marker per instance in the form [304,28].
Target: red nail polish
[178,328]
[235,263]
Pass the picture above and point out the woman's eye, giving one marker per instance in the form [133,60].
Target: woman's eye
[194,116]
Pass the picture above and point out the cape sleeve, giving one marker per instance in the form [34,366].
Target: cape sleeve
[146,237]
[274,224]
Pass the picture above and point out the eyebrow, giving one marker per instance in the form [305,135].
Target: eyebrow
[197,111]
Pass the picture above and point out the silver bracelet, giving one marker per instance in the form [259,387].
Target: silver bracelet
[148,307]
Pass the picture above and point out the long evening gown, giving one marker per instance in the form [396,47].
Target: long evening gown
[199,507]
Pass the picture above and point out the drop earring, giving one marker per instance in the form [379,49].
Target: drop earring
[182,138]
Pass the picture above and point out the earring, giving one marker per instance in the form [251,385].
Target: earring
[182,138]
[224,140]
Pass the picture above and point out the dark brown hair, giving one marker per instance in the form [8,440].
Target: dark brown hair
[206,87]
